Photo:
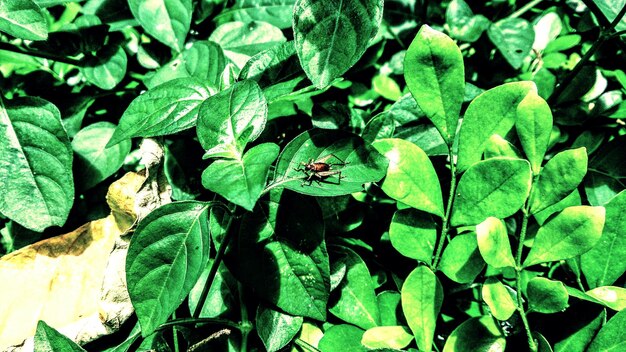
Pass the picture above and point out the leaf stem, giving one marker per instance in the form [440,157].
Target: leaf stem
[305,345]
[216,264]
[194,321]
[532,346]
[40,54]
[446,217]
[525,8]
[605,33]
[246,326]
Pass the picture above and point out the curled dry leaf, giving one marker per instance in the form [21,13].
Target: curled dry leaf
[76,282]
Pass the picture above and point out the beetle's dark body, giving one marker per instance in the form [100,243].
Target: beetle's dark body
[320,170]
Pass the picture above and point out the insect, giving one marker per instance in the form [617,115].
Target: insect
[319,170]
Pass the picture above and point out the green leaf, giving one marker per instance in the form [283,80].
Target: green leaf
[205,60]
[222,294]
[611,337]
[463,24]
[499,299]
[342,338]
[95,162]
[168,108]
[533,125]
[48,339]
[414,234]
[611,296]
[514,38]
[495,187]
[356,302]
[242,40]
[276,329]
[282,254]
[23,19]
[227,121]
[492,112]
[493,243]
[362,163]
[461,260]
[476,334]
[411,177]
[584,330]
[331,36]
[167,253]
[241,181]
[387,337]
[610,9]
[166,20]
[572,232]
[435,75]
[558,178]
[604,263]
[107,68]
[35,164]
[422,296]
[276,12]
[498,146]
[389,307]
[546,296]
[386,87]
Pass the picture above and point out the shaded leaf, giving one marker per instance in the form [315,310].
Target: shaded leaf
[332,36]
[546,296]
[464,25]
[411,177]
[514,38]
[107,68]
[461,260]
[476,334]
[572,232]
[611,337]
[585,330]
[389,307]
[435,75]
[413,234]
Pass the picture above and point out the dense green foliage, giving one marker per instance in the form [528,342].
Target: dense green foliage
[346,175]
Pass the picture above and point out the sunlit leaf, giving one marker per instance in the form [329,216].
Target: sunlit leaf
[166,20]
[499,299]
[461,260]
[474,334]
[493,243]
[546,296]
[48,339]
[422,296]
[276,329]
[23,19]
[413,234]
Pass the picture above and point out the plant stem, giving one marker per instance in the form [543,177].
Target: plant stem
[246,326]
[525,8]
[175,334]
[605,33]
[446,217]
[194,321]
[305,345]
[40,54]
[216,264]
[518,274]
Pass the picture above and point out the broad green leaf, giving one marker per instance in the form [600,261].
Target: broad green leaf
[499,299]
[23,19]
[476,334]
[413,234]
[331,36]
[282,254]
[35,164]
[342,338]
[276,70]
[605,263]
[241,181]
[546,296]
[542,343]
[168,252]
[168,108]
[95,162]
[572,232]
[461,260]
[533,126]
[242,40]
[495,187]
[356,301]
[435,75]
[222,295]
[601,188]
[463,24]
[276,12]
[611,337]
[422,296]
[571,200]
[493,243]
[389,308]
[362,163]
[166,20]
[276,329]
[610,9]
[310,334]
[514,38]
[205,60]
[411,177]
[498,146]
[547,28]
[387,337]
[611,296]
[227,121]
[584,330]
[386,87]
[492,112]
[48,339]
[558,178]
[107,68]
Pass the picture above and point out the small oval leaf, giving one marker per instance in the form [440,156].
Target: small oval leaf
[476,334]
[166,20]
[493,243]
[276,329]
[413,234]
[546,296]
[499,299]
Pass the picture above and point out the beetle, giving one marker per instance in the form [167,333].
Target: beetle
[319,170]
